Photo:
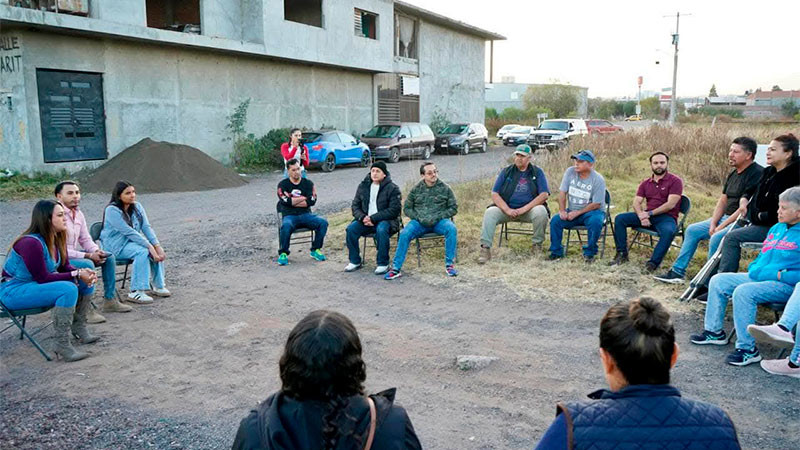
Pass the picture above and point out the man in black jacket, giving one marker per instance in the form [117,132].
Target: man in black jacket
[296,196]
[376,210]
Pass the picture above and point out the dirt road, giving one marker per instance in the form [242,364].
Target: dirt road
[183,372]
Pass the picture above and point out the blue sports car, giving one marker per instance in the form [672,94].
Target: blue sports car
[328,149]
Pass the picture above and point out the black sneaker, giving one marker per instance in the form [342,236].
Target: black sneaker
[650,267]
[710,338]
[670,277]
[702,298]
[742,357]
[588,259]
[554,257]
[619,258]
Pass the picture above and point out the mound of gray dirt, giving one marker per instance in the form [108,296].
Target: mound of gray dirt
[153,166]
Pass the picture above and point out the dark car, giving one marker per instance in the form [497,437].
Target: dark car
[327,149]
[395,140]
[462,137]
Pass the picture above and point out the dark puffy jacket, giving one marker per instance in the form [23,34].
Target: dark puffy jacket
[390,201]
[763,207]
[648,416]
[282,423]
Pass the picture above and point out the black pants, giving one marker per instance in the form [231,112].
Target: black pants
[732,252]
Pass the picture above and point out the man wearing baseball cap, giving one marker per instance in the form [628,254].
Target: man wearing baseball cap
[519,195]
[581,202]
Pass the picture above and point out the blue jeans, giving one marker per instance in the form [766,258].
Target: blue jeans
[665,225]
[18,294]
[414,229]
[357,229]
[789,319]
[145,269]
[290,223]
[747,294]
[592,220]
[109,271]
[695,233]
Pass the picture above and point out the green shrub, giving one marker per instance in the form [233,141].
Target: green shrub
[260,153]
[439,121]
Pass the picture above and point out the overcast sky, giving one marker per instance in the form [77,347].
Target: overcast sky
[605,45]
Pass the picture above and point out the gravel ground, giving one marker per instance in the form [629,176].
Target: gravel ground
[183,372]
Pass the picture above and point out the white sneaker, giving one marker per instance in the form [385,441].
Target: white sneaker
[161,292]
[771,333]
[352,267]
[380,270]
[139,297]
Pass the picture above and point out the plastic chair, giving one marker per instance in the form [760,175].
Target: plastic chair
[94,232]
[686,206]
[606,223]
[19,317]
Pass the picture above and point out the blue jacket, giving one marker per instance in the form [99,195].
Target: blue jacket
[117,233]
[780,253]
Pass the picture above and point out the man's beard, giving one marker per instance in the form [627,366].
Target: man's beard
[659,172]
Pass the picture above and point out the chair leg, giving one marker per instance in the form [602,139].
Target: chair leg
[30,338]
[569,235]
[364,249]
[500,238]
[24,320]
[125,276]
[603,248]
[782,352]
[419,254]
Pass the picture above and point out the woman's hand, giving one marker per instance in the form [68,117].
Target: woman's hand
[161,254]
[153,253]
[89,277]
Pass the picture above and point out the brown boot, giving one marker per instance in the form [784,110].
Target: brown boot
[113,305]
[79,329]
[62,320]
[92,316]
[485,256]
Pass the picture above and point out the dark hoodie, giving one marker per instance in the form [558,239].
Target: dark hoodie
[282,423]
[389,203]
[763,207]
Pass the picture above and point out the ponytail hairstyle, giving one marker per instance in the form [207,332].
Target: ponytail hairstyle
[117,201]
[42,224]
[322,362]
[790,144]
[640,337]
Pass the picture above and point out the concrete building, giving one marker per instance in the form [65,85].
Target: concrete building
[79,86]
[773,98]
[508,94]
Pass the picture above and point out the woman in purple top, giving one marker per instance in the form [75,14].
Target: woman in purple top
[37,273]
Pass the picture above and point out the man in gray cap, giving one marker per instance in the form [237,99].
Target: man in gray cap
[519,195]
[376,212]
[581,202]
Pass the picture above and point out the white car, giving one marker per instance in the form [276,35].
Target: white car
[505,129]
[517,135]
[556,133]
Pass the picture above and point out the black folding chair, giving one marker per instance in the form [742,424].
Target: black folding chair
[430,240]
[19,317]
[686,206]
[94,232]
[365,239]
[301,235]
[522,230]
[607,221]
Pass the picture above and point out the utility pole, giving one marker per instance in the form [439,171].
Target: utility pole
[673,104]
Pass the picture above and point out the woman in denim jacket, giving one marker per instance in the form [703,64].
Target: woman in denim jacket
[128,235]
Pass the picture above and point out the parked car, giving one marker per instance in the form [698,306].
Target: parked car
[462,137]
[517,135]
[598,127]
[505,129]
[556,133]
[396,140]
[633,118]
[328,149]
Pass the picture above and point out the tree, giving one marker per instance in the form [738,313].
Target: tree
[651,107]
[776,88]
[561,99]
[629,108]
[790,108]
[713,91]
[491,113]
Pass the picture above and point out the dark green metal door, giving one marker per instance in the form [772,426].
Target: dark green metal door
[72,115]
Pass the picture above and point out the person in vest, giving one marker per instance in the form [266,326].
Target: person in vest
[581,202]
[771,278]
[641,409]
[519,194]
[376,211]
[37,273]
[322,404]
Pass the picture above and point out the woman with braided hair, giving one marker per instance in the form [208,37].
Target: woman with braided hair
[322,404]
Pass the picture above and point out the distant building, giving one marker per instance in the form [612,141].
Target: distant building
[726,100]
[509,95]
[773,98]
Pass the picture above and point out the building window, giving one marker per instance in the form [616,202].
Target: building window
[405,36]
[308,12]
[366,24]
[175,15]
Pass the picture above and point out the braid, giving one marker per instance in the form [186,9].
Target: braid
[330,431]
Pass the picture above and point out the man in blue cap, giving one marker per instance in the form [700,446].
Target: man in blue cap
[581,202]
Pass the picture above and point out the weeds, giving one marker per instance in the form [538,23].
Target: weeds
[22,187]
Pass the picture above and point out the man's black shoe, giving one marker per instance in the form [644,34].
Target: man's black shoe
[588,259]
[650,267]
[619,258]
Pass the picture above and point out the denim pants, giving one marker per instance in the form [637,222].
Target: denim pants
[414,229]
[592,220]
[109,271]
[665,225]
[145,269]
[292,222]
[789,319]
[18,294]
[747,294]
[695,233]
[357,229]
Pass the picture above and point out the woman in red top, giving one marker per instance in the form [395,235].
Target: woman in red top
[294,149]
